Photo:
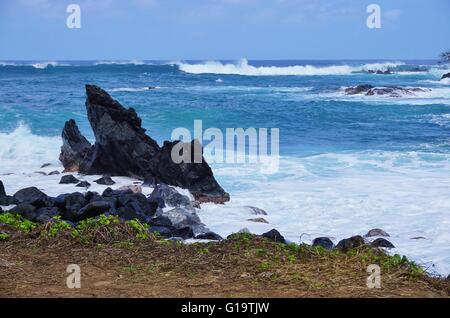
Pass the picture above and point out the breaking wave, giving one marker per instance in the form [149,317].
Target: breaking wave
[243,67]
[21,145]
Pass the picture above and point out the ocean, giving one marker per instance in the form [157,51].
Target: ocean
[348,163]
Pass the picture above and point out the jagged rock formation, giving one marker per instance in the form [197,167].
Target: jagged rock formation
[391,91]
[445,76]
[122,148]
[75,147]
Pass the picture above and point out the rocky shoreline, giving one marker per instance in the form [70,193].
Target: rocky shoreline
[123,149]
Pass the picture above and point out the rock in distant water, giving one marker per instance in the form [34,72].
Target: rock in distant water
[258,220]
[352,242]
[325,242]
[381,242]
[376,232]
[256,211]
[275,236]
[445,76]
[122,148]
[75,147]
[69,179]
[380,72]
[391,91]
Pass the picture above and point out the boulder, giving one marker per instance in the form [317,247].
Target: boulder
[44,215]
[209,236]
[184,233]
[83,184]
[324,242]
[256,211]
[91,210]
[105,180]
[8,200]
[27,211]
[180,218]
[275,236]
[376,232]
[33,196]
[445,76]
[122,148]
[161,230]
[133,188]
[163,194]
[69,179]
[136,202]
[381,242]
[350,243]
[72,203]
[75,147]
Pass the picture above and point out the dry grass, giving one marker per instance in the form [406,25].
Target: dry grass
[242,266]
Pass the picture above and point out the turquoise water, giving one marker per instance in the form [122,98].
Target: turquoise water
[312,118]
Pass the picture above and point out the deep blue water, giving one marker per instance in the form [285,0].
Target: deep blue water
[307,109]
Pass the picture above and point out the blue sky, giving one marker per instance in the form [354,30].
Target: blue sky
[223,29]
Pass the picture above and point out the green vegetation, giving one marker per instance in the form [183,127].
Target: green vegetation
[55,228]
[17,222]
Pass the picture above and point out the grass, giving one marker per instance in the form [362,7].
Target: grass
[144,265]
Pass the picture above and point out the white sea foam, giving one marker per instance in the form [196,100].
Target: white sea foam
[21,149]
[344,194]
[130,62]
[133,89]
[433,95]
[242,67]
[332,194]
[44,65]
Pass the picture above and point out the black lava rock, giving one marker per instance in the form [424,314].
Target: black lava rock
[69,179]
[75,147]
[324,242]
[122,148]
[34,197]
[350,243]
[27,211]
[44,215]
[83,184]
[209,236]
[381,242]
[105,181]
[275,236]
